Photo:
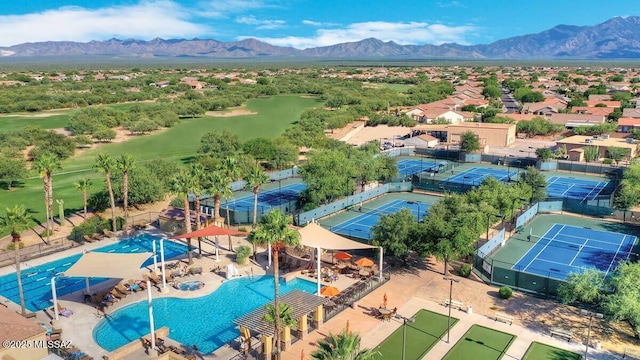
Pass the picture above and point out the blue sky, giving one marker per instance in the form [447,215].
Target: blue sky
[297,23]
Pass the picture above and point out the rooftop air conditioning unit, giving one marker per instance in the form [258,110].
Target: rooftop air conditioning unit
[630,140]
[588,141]
[606,136]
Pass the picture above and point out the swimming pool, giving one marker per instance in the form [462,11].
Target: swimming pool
[36,280]
[206,321]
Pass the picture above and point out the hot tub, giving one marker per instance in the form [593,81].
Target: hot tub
[190,285]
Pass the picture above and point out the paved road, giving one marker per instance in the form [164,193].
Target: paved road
[509,101]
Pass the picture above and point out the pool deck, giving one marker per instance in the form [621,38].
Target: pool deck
[408,290]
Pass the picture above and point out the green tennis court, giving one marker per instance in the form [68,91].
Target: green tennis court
[422,335]
[539,351]
[481,343]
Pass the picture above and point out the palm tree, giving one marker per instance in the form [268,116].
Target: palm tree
[254,178]
[126,163]
[219,186]
[229,168]
[344,346]
[16,220]
[256,239]
[83,185]
[200,178]
[182,185]
[274,229]
[45,164]
[286,315]
[105,163]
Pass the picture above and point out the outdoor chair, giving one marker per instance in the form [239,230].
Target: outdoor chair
[154,278]
[87,239]
[122,289]
[64,311]
[96,237]
[116,294]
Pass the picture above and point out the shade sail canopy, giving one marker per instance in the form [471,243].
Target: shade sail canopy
[314,235]
[364,262]
[108,265]
[342,256]
[209,231]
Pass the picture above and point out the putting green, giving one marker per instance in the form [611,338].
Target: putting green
[422,335]
[539,351]
[481,343]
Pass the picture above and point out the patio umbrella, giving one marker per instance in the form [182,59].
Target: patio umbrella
[329,291]
[302,357]
[342,256]
[347,330]
[364,262]
[384,300]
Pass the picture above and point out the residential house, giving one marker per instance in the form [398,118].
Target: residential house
[15,329]
[609,103]
[604,111]
[599,97]
[422,141]
[625,124]
[602,142]
[575,120]
[539,108]
[634,113]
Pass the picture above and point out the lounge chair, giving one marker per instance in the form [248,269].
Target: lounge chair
[175,274]
[64,311]
[134,286]
[195,270]
[109,233]
[146,278]
[87,239]
[96,237]
[117,294]
[122,289]
[154,277]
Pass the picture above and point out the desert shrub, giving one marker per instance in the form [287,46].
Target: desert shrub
[11,245]
[46,233]
[465,270]
[242,254]
[505,292]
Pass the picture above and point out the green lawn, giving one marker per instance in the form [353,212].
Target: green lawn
[274,115]
[539,351]
[481,343]
[11,123]
[422,335]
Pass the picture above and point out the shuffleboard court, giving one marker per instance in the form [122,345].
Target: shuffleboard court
[574,188]
[268,199]
[361,226]
[565,248]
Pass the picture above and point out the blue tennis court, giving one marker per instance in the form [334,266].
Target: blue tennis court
[475,176]
[269,198]
[408,167]
[361,225]
[564,249]
[574,188]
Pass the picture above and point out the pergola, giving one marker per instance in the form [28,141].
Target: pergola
[315,236]
[301,304]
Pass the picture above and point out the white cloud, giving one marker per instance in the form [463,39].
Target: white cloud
[261,24]
[416,33]
[451,4]
[218,8]
[146,20]
[311,23]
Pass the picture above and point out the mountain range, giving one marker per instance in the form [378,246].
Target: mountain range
[617,38]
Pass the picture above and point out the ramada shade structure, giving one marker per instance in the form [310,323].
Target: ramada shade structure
[212,230]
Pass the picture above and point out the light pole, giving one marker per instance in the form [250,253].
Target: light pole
[513,208]
[405,320]
[489,215]
[451,281]
[591,315]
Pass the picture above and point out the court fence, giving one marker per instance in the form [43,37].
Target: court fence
[501,273]
[350,201]
[522,162]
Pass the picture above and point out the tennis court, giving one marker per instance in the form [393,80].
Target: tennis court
[584,190]
[408,167]
[565,248]
[269,198]
[360,226]
[475,176]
